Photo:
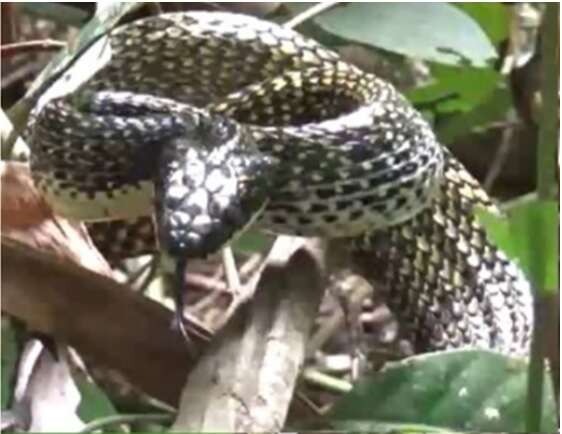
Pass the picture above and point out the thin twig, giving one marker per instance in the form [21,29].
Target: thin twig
[318,411]
[325,381]
[309,13]
[9,50]
[205,302]
[151,274]
[243,293]
[251,265]
[206,283]
[219,272]
[136,274]
[229,264]
[118,419]
[500,157]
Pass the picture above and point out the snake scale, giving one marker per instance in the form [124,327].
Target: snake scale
[203,123]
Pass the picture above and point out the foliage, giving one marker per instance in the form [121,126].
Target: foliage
[464,390]
[437,32]
[527,229]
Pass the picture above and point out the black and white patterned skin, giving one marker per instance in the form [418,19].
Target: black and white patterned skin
[203,122]
[207,189]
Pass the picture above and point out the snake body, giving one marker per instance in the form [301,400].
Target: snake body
[204,123]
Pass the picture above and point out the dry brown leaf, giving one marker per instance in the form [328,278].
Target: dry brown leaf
[28,219]
[71,295]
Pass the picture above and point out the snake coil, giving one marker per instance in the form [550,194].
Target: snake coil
[207,122]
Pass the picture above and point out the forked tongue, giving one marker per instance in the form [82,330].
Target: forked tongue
[204,196]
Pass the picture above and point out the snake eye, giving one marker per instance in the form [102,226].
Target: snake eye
[218,129]
[220,132]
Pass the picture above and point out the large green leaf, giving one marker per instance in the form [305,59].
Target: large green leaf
[528,235]
[461,390]
[436,32]
[493,18]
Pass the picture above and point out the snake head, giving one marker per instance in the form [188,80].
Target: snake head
[209,187]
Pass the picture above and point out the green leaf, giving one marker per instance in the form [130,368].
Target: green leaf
[9,361]
[436,32]
[462,390]
[455,90]
[493,108]
[493,18]
[94,404]
[253,241]
[528,235]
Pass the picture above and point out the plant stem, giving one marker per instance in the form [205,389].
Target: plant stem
[535,380]
[549,120]
[546,179]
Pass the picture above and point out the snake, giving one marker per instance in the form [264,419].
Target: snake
[202,124]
